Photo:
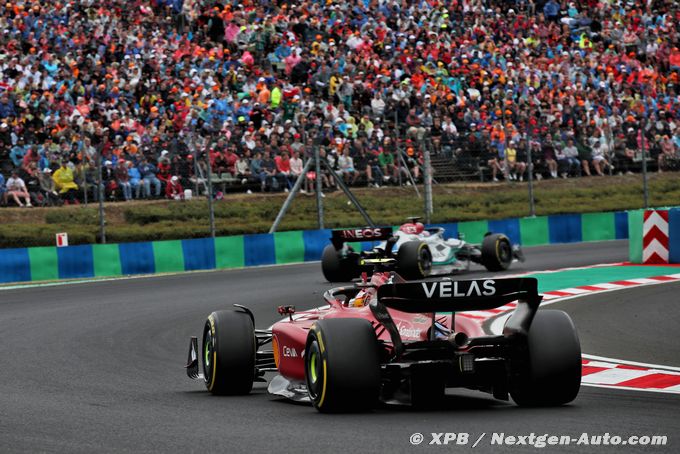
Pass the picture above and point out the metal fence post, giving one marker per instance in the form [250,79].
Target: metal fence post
[291,195]
[211,208]
[100,189]
[319,188]
[84,173]
[195,155]
[532,206]
[396,146]
[645,189]
[427,180]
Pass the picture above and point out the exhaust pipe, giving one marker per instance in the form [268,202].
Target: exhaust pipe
[459,339]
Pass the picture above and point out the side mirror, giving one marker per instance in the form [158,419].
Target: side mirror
[286,310]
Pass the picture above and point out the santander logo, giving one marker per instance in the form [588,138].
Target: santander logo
[406,332]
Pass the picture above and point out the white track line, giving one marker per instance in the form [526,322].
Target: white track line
[604,359]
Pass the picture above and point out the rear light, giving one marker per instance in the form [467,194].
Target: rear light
[466,362]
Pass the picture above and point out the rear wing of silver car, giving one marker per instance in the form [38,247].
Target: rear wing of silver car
[341,236]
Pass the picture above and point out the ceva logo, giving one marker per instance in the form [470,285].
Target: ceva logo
[289,352]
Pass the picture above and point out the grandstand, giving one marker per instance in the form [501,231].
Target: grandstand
[148,90]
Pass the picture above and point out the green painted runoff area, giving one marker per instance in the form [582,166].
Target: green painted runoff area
[559,280]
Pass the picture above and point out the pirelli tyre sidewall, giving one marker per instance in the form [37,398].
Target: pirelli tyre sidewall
[228,353]
[342,365]
[414,260]
[549,372]
[496,252]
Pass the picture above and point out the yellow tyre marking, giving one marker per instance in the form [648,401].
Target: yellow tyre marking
[318,337]
[323,389]
[498,245]
[323,360]
[214,363]
[212,380]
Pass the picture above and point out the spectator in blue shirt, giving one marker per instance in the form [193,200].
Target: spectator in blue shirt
[148,172]
[6,107]
[135,179]
[3,188]
[18,152]
[551,10]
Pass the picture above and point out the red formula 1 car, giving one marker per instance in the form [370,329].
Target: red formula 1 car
[391,341]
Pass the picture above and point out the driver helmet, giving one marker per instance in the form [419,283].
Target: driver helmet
[361,299]
[413,228]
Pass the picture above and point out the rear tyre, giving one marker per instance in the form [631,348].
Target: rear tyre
[334,267]
[414,260]
[551,372]
[228,350]
[496,252]
[342,365]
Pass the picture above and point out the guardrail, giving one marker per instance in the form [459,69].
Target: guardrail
[105,260]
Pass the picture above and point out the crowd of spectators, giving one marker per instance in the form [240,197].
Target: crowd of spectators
[167,91]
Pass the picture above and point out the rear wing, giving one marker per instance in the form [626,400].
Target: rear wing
[341,236]
[457,296]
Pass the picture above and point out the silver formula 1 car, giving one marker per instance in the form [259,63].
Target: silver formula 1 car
[414,251]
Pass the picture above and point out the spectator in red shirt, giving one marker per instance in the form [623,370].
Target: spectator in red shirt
[174,189]
[230,159]
[283,169]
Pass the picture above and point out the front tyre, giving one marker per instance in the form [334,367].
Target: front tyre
[414,260]
[342,365]
[228,353]
[550,374]
[496,252]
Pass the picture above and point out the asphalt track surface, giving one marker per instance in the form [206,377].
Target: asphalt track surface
[97,367]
